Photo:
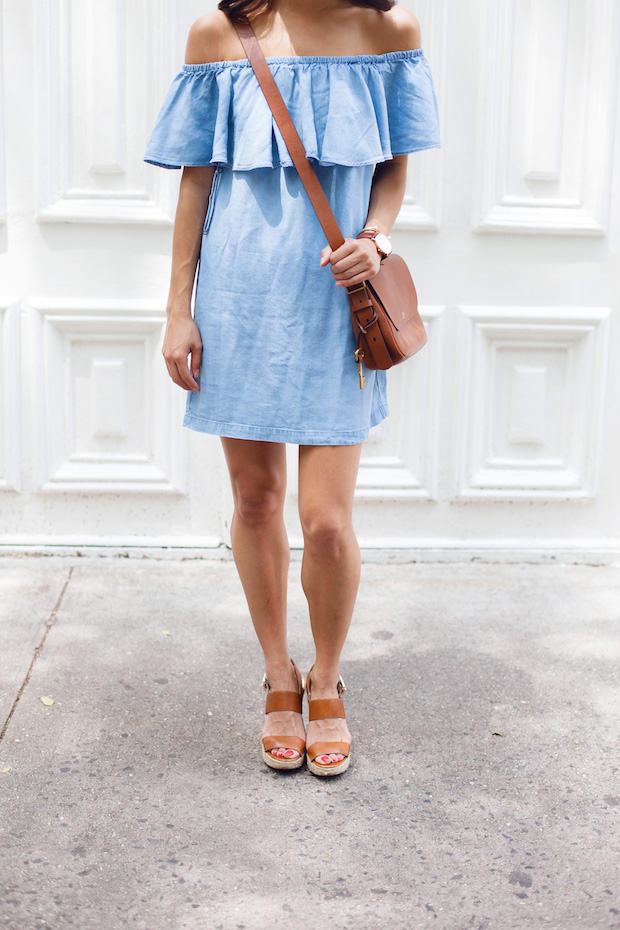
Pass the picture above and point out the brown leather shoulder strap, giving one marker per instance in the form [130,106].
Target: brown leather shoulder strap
[308,176]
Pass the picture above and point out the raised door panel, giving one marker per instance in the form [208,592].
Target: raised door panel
[532,401]
[103,70]
[110,416]
[549,85]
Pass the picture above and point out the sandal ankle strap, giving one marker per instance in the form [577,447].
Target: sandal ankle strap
[285,700]
[340,687]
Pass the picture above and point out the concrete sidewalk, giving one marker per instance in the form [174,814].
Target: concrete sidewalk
[484,788]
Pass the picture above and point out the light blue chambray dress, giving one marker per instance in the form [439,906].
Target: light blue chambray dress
[263,305]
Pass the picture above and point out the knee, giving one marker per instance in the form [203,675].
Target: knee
[255,505]
[326,531]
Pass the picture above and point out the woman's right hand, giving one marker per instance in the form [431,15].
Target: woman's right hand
[182,338]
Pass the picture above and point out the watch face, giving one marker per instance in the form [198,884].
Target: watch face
[384,243]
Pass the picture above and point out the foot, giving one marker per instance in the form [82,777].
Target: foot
[332,729]
[282,722]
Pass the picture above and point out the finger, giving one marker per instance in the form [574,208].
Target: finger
[343,250]
[356,279]
[366,265]
[184,374]
[350,282]
[174,374]
[344,264]
[196,354]
[359,273]
[325,256]
[358,250]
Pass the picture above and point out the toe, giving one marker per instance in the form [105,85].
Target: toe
[281,753]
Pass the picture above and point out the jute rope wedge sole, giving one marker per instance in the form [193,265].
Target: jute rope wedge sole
[322,709]
[283,700]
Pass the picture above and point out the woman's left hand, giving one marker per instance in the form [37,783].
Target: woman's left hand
[354,261]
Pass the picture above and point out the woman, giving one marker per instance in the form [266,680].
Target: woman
[271,342]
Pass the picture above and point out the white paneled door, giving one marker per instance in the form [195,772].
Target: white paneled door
[504,434]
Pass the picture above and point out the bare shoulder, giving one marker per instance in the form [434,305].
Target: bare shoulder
[211,38]
[400,29]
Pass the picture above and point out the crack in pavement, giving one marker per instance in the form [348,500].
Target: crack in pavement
[49,623]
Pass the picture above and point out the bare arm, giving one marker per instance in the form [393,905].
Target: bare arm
[188,223]
[386,193]
[182,337]
[357,260]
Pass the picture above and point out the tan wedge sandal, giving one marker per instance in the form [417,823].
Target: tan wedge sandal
[322,709]
[283,700]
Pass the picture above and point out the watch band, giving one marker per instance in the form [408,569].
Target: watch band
[369,233]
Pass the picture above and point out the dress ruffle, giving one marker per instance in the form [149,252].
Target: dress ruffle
[349,110]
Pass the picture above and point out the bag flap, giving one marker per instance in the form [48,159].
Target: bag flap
[394,289]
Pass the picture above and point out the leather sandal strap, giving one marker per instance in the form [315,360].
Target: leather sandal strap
[288,742]
[325,749]
[283,700]
[326,707]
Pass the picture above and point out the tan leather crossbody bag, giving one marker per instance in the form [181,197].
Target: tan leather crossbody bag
[384,310]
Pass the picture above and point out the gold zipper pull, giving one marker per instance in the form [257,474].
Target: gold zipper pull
[359,355]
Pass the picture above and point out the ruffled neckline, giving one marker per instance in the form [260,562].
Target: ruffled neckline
[349,110]
[309,59]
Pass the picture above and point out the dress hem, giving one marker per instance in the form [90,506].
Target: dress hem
[282,434]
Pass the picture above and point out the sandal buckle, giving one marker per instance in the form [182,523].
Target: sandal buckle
[265,683]
[341,685]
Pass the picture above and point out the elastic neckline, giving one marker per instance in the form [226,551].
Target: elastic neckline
[311,59]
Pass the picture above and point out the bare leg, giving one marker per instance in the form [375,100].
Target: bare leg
[262,556]
[330,571]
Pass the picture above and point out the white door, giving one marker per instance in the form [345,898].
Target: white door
[504,431]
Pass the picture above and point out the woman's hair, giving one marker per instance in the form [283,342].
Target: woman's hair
[238,10]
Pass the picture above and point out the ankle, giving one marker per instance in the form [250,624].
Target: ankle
[324,681]
[280,674]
